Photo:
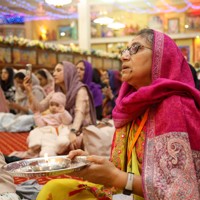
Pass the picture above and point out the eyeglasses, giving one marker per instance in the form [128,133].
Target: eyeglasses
[133,49]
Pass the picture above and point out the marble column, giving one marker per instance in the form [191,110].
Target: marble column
[84,34]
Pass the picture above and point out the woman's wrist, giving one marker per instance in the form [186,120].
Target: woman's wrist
[111,96]
[119,179]
[30,96]
[128,189]
[29,93]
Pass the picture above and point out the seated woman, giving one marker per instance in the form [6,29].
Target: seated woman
[108,95]
[84,69]
[156,146]
[23,119]
[7,84]
[7,186]
[115,81]
[46,80]
[79,101]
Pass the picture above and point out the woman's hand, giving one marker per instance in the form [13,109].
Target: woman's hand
[72,139]
[27,84]
[18,107]
[78,152]
[108,93]
[100,171]
[13,105]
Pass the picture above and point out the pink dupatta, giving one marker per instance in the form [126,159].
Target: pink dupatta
[3,105]
[172,149]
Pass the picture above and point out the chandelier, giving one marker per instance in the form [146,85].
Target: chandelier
[103,20]
[116,25]
[58,2]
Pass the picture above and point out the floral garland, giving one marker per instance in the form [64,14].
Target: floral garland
[23,42]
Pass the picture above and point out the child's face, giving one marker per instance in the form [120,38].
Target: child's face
[54,107]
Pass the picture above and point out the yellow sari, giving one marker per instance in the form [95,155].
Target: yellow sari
[72,189]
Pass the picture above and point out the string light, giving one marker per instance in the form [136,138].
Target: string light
[60,13]
[30,8]
[191,5]
[155,10]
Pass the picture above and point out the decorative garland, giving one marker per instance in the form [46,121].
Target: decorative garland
[23,42]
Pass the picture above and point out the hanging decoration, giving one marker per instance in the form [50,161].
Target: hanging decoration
[153,9]
[23,42]
[30,10]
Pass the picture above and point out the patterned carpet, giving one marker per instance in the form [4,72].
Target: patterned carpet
[10,142]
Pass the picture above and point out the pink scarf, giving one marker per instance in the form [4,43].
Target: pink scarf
[172,94]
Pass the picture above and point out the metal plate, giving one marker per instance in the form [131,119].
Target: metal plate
[50,166]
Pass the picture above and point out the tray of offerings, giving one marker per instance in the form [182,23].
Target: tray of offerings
[46,166]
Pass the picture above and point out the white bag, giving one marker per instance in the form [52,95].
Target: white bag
[97,139]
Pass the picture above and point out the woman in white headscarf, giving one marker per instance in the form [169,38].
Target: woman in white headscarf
[46,80]
[23,120]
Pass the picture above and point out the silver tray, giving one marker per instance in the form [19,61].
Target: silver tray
[50,166]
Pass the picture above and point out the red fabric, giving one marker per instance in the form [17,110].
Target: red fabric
[10,142]
[172,93]
[41,180]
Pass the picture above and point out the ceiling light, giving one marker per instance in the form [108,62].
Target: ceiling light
[116,25]
[62,34]
[58,2]
[103,20]
[186,26]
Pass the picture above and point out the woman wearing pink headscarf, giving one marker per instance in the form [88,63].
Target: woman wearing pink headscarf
[156,146]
